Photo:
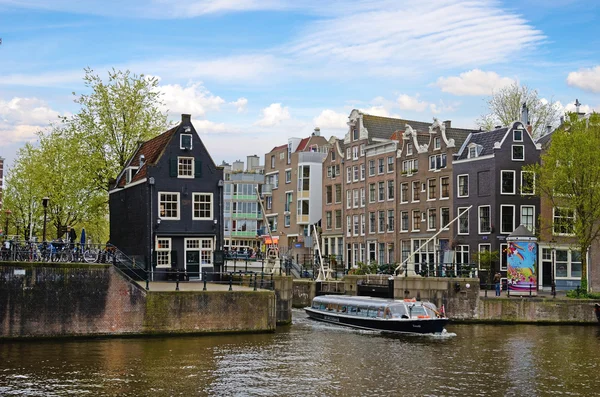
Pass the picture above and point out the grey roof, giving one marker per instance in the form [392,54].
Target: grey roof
[521,232]
[545,140]
[486,139]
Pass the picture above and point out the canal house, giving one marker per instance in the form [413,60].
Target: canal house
[166,205]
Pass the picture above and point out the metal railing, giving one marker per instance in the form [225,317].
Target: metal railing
[177,277]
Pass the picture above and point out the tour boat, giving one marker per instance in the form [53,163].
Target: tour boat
[387,315]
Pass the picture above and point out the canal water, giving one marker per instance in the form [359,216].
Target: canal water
[313,359]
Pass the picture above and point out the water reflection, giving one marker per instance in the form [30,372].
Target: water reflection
[311,358]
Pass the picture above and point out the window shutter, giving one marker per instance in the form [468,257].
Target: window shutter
[198,170]
[173,167]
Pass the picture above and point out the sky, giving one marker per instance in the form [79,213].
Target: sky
[255,72]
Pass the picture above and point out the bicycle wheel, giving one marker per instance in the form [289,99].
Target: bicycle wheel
[90,255]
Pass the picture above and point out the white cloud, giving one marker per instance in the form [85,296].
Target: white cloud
[331,119]
[473,82]
[240,104]
[378,110]
[21,118]
[273,115]
[586,79]
[192,99]
[207,126]
[570,107]
[406,102]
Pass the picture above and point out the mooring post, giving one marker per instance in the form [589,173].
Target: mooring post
[177,280]
[254,281]
[230,281]
[272,283]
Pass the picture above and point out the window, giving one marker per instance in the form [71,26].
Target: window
[362,172]
[431,183]
[463,221]
[381,186]
[163,252]
[348,199]
[348,175]
[473,151]
[568,263]
[328,194]
[269,202]
[185,167]
[329,173]
[485,225]
[282,155]
[275,180]
[355,197]
[286,220]
[371,222]
[355,224]
[527,183]
[203,208]
[409,167]
[437,162]
[273,161]
[518,152]
[168,207]
[362,224]
[288,175]
[431,219]
[355,153]
[363,198]
[463,186]
[507,182]
[371,193]
[416,189]
[338,193]
[289,199]
[185,141]
[391,190]
[563,221]
[348,153]
[484,248]
[409,148]
[348,226]
[362,149]
[507,219]
[437,143]
[404,221]
[354,134]
[503,257]
[390,223]
[462,255]
[444,187]
[381,216]
[380,166]
[416,215]
[390,164]
[338,219]
[404,192]
[355,173]
[444,217]
[333,154]
[527,217]
[371,167]
[518,136]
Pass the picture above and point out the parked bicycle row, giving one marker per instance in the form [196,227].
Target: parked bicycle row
[15,250]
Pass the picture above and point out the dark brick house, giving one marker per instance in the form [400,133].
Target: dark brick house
[488,174]
[167,204]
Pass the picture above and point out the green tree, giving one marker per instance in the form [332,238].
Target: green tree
[114,118]
[505,107]
[569,177]
[487,261]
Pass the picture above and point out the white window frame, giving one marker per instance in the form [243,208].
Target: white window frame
[355,173]
[362,149]
[354,152]
[348,153]
[514,187]
[289,172]
[210,202]
[409,148]
[554,217]
[402,229]
[512,153]
[431,211]
[479,219]
[458,178]
[503,257]
[163,250]
[442,226]
[479,246]
[355,198]
[429,189]
[404,200]
[180,165]
[362,224]
[415,227]
[390,161]
[363,197]
[502,206]
[181,142]
[348,174]
[437,143]
[372,222]
[459,210]
[413,185]
[363,172]
[372,168]
[348,199]
[169,218]
[391,225]
[348,226]
[514,135]
[533,192]
[392,190]
[532,217]
[355,225]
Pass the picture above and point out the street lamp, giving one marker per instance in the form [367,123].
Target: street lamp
[45,205]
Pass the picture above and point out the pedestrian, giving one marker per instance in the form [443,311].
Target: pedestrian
[497,278]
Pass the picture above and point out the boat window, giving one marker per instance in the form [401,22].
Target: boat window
[315,305]
[362,311]
[372,312]
[418,311]
[352,310]
[380,312]
[322,306]
[344,309]
[398,311]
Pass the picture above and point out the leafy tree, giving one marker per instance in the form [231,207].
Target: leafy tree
[569,177]
[487,261]
[114,118]
[505,107]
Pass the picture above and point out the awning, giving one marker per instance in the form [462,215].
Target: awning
[269,241]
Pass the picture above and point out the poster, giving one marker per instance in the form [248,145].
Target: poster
[521,258]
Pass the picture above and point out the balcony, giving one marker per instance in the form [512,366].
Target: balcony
[244,197]
[247,177]
[302,219]
[267,189]
[250,215]
[243,234]
[311,157]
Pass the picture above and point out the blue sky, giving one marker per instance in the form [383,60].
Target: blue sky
[254,72]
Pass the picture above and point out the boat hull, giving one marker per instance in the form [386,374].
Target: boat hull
[412,326]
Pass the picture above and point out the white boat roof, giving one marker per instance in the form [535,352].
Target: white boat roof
[356,300]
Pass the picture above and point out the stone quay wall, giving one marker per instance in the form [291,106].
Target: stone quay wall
[63,300]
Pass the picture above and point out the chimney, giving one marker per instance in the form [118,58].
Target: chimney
[448,124]
[317,131]
[524,114]
[529,129]
[577,104]
[186,118]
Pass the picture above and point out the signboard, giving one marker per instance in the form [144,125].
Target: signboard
[19,272]
[219,256]
[521,259]
[298,245]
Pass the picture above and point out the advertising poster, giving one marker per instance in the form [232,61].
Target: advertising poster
[521,260]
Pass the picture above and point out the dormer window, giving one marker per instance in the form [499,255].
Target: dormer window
[185,141]
[474,151]
[130,173]
[518,136]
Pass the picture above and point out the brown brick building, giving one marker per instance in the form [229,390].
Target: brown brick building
[332,223]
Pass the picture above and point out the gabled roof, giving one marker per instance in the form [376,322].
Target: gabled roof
[384,127]
[152,151]
[279,148]
[302,144]
[485,139]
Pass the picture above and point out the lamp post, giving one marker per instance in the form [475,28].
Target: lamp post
[45,205]
[7,212]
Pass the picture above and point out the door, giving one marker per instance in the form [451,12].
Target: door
[547,267]
[192,264]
